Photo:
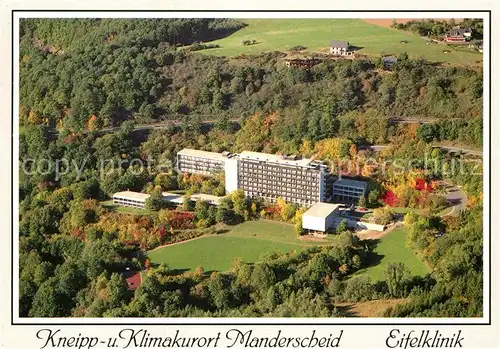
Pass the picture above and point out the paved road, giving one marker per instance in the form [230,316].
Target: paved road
[463,150]
[456,197]
[379,147]
[165,124]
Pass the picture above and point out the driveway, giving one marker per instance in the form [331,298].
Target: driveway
[456,197]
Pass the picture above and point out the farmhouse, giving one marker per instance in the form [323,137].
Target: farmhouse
[458,35]
[340,48]
[348,189]
[320,217]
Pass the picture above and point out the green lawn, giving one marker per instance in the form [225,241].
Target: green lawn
[392,248]
[316,34]
[248,241]
[108,204]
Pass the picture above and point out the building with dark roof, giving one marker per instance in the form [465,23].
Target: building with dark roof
[389,61]
[458,35]
[302,63]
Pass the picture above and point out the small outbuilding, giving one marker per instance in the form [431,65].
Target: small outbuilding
[389,61]
[320,217]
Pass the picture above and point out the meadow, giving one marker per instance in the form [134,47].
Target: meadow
[389,249]
[248,241]
[316,34]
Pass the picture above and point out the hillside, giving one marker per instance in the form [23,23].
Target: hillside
[316,34]
[97,74]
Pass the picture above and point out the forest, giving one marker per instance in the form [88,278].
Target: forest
[78,76]
[120,70]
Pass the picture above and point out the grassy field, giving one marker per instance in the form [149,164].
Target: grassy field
[248,241]
[392,248]
[108,204]
[316,34]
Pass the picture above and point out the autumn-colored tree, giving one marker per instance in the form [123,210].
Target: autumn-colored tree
[306,148]
[91,123]
[34,118]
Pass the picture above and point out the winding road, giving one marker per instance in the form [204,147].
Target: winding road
[456,197]
[379,147]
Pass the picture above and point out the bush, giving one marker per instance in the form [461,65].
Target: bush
[383,215]
[358,289]
[298,48]
[248,42]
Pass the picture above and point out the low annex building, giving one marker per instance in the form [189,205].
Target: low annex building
[349,190]
[138,200]
[130,199]
[320,217]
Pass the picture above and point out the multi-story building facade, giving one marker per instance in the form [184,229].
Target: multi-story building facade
[201,162]
[268,176]
[348,190]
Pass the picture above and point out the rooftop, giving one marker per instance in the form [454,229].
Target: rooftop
[350,183]
[206,197]
[179,199]
[321,209]
[341,44]
[252,155]
[459,31]
[204,154]
[172,197]
[390,59]
[132,195]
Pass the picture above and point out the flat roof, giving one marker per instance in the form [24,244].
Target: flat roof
[132,195]
[206,197]
[172,197]
[350,183]
[203,154]
[252,155]
[321,209]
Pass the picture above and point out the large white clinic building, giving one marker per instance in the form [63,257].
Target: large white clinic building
[269,176]
[261,175]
